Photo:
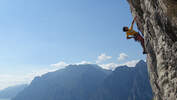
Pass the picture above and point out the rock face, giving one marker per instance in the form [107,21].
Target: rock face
[157,21]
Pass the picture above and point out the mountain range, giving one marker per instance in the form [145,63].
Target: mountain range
[11,92]
[90,82]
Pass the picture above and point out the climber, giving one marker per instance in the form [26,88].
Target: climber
[130,33]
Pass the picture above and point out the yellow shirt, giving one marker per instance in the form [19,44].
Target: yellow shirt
[131,32]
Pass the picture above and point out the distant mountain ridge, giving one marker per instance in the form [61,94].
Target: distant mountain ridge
[90,82]
[126,83]
[11,92]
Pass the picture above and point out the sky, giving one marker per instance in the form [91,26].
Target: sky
[38,36]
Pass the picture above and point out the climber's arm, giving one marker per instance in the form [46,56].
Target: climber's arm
[128,37]
[131,28]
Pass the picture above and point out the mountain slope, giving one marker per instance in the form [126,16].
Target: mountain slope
[72,83]
[126,83]
[11,92]
[91,82]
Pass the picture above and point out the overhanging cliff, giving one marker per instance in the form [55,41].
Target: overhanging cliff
[157,20]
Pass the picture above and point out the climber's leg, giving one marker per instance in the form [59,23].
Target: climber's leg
[142,44]
[140,39]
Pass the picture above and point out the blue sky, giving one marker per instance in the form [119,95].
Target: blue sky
[37,33]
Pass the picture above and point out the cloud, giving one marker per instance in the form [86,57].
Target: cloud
[109,66]
[112,66]
[63,64]
[83,62]
[60,64]
[103,57]
[122,57]
[132,63]
[40,72]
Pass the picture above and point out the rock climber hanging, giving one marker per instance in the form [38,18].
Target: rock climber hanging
[130,33]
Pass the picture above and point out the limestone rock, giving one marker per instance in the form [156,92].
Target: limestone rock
[157,21]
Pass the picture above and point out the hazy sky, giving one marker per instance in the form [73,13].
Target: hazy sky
[38,35]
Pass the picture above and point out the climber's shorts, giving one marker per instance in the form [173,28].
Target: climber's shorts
[139,38]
